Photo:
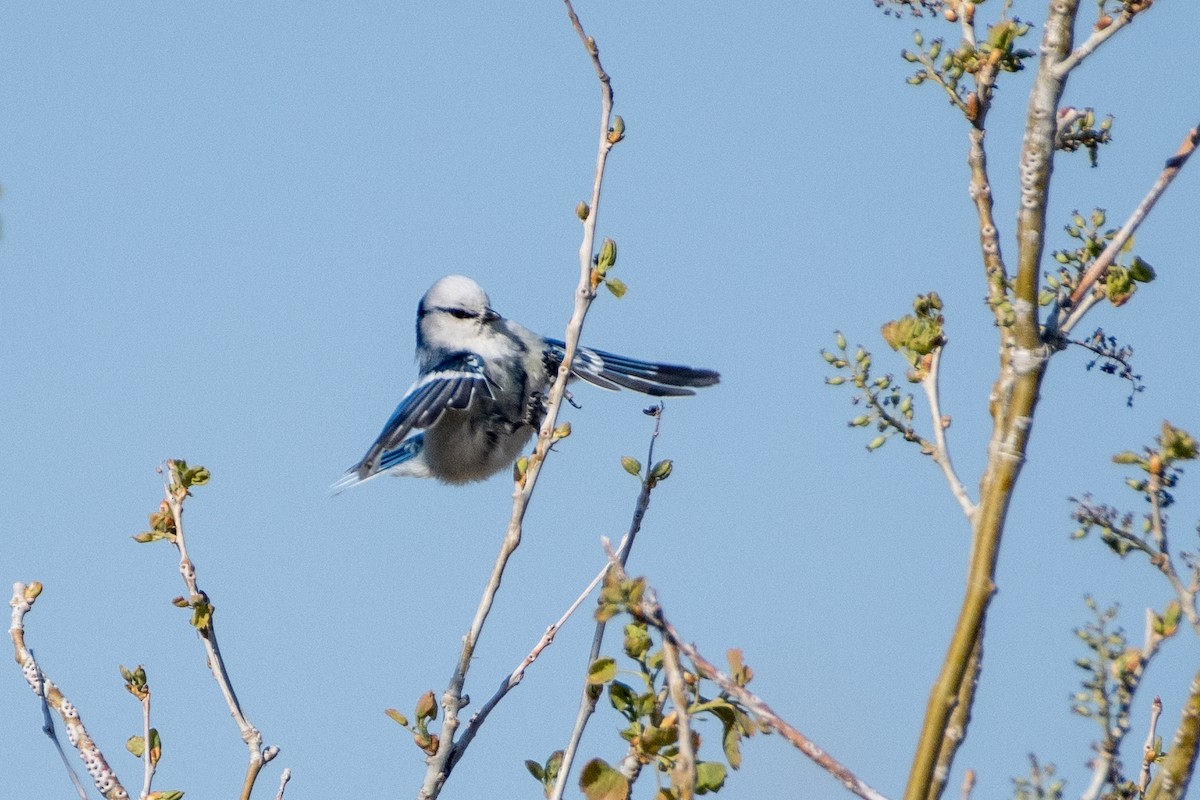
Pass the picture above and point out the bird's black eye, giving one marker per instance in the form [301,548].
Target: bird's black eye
[461,313]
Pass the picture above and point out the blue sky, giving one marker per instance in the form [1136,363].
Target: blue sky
[217,223]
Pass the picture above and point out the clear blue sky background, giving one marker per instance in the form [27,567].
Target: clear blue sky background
[217,223]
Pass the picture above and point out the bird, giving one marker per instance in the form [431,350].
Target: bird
[481,390]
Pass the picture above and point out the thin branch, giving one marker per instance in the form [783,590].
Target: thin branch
[439,765]
[103,777]
[176,493]
[1150,748]
[941,453]
[653,614]
[517,675]
[284,777]
[1100,35]
[683,771]
[148,760]
[1074,311]
[587,702]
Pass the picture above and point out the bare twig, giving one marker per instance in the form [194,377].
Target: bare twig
[148,760]
[968,785]
[517,675]
[176,493]
[1100,34]
[1074,311]
[284,777]
[587,702]
[1150,748]
[104,779]
[440,763]
[941,453]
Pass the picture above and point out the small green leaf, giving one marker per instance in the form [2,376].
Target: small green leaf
[136,745]
[1141,271]
[535,769]
[632,466]
[399,718]
[169,794]
[710,776]
[599,781]
[616,286]
[602,670]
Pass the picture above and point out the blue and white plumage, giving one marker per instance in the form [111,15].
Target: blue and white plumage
[482,386]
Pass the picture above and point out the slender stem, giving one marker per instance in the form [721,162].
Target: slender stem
[517,675]
[587,702]
[148,761]
[1076,309]
[284,777]
[440,763]
[1149,750]
[941,453]
[176,493]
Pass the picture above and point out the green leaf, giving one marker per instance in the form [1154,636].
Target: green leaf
[535,769]
[602,670]
[710,776]
[623,699]
[731,742]
[637,640]
[617,287]
[632,466]
[136,745]
[169,794]
[599,781]
[1141,271]
[399,718]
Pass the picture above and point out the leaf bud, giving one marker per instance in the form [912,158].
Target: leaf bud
[583,211]
[840,340]
[632,466]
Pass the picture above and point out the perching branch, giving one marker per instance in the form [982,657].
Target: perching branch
[440,764]
[104,779]
[683,772]
[202,619]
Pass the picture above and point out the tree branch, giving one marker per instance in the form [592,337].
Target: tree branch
[176,492]
[103,777]
[440,764]
[941,452]
[1077,306]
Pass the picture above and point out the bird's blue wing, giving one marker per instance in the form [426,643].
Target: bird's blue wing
[452,384]
[611,371]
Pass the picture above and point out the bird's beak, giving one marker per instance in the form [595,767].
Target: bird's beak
[489,315]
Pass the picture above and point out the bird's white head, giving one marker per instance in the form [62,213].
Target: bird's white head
[453,311]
